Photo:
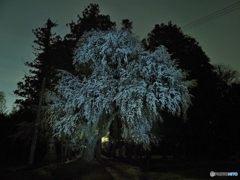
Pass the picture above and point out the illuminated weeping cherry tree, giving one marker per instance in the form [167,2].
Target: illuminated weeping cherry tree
[125,81]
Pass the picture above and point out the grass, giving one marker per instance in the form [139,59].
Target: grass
[73,170]
[122,169]
[189,170]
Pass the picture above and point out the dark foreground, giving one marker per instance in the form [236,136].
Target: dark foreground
[120,169]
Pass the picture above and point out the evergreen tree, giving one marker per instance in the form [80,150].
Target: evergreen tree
[90,19]
[127,25]
[183,48]
[42,66]
[194,134]
[52,53]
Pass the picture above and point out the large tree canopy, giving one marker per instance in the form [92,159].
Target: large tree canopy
[125,81]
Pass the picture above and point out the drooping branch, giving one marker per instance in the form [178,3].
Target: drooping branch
[147,82]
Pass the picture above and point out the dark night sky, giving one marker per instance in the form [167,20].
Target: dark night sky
[219,38]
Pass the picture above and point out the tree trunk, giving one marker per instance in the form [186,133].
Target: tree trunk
[164,150]
[120,149]
[129,149]
[98,149]
[114,149]
[89,152]
[35,134]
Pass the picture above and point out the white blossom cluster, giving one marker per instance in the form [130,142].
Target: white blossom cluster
[125,78]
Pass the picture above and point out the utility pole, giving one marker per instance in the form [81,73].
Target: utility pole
[34,139]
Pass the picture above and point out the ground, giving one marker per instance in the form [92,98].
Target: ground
[120,169]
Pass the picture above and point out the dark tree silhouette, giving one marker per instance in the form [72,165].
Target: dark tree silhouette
[197,137]
[225,123]
[42,66]
[227,74]
[184,49]
[90,19]
[127,25]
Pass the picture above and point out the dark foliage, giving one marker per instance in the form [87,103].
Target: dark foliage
[212,129]
[208,133]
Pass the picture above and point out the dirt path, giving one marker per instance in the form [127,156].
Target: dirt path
[121,170]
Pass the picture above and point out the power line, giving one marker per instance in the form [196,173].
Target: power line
[212,16]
